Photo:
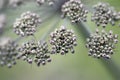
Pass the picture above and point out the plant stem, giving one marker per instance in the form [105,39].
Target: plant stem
[110,65]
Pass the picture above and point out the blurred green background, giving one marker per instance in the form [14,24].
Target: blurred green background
[78,66]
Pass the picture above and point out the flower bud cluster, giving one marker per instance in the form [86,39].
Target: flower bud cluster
[74,10]
[63,40]
[26,24]
[41,2]
[102,44]
[35,51]
[104,14]
[8,52]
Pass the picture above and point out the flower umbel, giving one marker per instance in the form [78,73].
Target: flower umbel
[8,52]
[35,51]
[104,14]
[63,40]
[26,24]
[101,44]
[74,10]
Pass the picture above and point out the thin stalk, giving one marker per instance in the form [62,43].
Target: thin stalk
[51,28]
[110,65]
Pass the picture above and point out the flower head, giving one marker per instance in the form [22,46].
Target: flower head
[74,10]
[102,44]
[62,40]
[26,24]
[104,14]
[35,51]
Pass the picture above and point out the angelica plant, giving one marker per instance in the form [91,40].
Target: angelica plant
[63,40]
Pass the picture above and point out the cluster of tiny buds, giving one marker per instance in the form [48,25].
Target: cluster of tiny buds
[101,44]
[41,2]
[62,40]
[2,22]
[26,24]
[104,14]
[74,10]
[8,52]
[15,3]
[35,51]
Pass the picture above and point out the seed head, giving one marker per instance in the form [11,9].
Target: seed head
[74,10]
[104,14]
[35,51]
[101,44]
[26,24]
[63,40]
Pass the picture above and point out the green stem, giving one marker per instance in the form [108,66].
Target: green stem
[51,28]
[108,64]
